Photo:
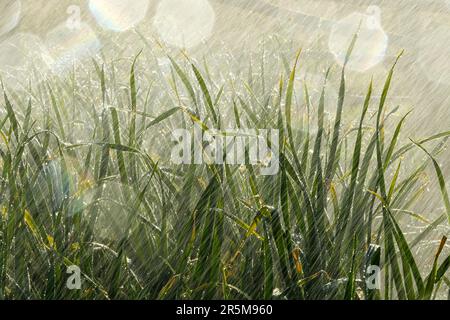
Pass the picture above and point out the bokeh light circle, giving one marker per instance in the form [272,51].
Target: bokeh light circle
[371,45]
[184,24]
[10,15]
[119,15]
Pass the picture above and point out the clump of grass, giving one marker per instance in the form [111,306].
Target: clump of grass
[142,229]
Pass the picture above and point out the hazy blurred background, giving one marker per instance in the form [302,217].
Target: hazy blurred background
[56,31]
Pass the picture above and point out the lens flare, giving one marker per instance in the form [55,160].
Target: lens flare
[371,45]
[21,57]
[10,15]
[70,45]
[118,15]
[184,24]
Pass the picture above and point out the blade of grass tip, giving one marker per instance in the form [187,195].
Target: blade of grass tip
[11,115]
[206,94]
[349,193]
[432,277]
[218,96]
[305,127]
[403,188]
[428,230]
[289,94]
[101,76]
[296,207]
[409,146]
[2,123]
[26,122]
[303,189]
[140,198]
[140,140]
[117,140]
[330,169]
[285,62]
[320,128]
[102,172]
[250,230]
[87,160]
[412,179]
[132,125]
[288,105]
[441,179]
[393,182]
[46,140]
[163,116]
[133,90]
[250,113]
[103,85]
[380,166]
[365,165]
[195,119]
[345,210]
[288,115]
[387,85]
[390,255]
[237,118]
[57,113]
[394,139]
[185,80]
